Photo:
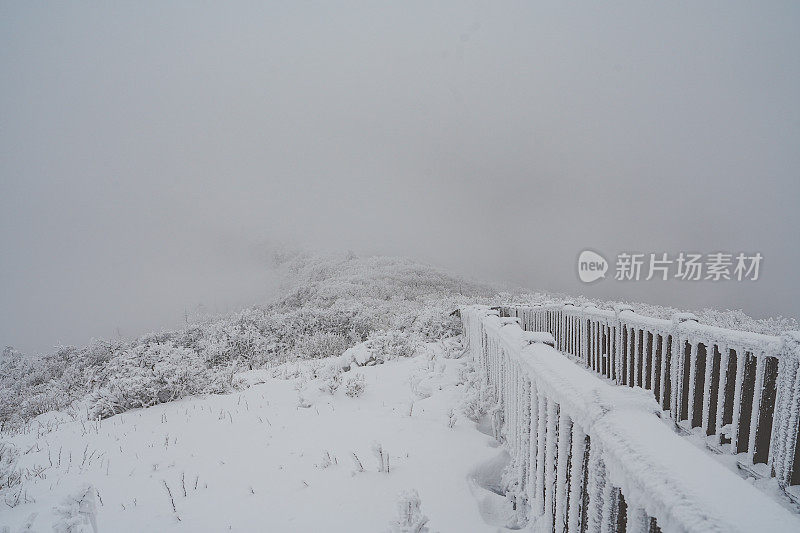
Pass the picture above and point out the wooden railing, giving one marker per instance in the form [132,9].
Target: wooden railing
[588,455]
[740,390]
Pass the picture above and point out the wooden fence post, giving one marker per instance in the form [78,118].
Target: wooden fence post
[784,457]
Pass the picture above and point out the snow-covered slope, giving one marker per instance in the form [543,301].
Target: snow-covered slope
[282,455]
[326,306]
[141,420]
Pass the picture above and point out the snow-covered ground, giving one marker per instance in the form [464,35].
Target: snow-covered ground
[278,451]
[272,457]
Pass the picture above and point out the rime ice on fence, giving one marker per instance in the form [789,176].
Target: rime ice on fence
[740,390]
[590,456]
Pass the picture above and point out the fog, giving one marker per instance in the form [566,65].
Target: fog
[149,150]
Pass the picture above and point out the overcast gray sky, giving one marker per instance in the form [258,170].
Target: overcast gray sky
[145,146]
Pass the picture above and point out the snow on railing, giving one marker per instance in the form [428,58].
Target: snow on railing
[740,390]
[590,456]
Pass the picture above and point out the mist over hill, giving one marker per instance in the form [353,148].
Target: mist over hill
[325,305]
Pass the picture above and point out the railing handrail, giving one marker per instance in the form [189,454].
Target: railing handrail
[671,357]
[735,336]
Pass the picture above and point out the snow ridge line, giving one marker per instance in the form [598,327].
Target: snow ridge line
[629,471]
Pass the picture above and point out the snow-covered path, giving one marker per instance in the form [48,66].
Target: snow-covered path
[255,460]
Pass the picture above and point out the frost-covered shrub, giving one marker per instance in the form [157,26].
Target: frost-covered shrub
[438,322]
[9,458]
[479,398]
[77,513]
[331,383]
[410,518]
[382,346]
[245,337]
[361,355]
[224,379]
[9,407]
[355,385]
[302,401]
[98,353]
[388,345]
[45,397]
[322,344]
[737,319]
[30,386]
[153,374]
[452,348]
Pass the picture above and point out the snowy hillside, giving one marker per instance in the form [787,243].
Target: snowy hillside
[283,455]
[312,411]
[73,419]
[327,305]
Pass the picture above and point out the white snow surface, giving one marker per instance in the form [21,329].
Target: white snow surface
[257,461]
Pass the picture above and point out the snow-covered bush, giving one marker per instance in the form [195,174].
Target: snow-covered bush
[242,337]
[435,322]
[30,387]
[224,379]
[355,385]
[452,348]
[322,344]
[77,513]
[9,458]
[9,408]
[361,355]
[479,398]
[152,374]
[410,518]
[302,401]
[382,346]
[43,398]
[331,383]
[388,345]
